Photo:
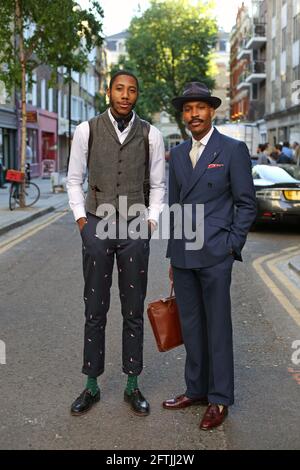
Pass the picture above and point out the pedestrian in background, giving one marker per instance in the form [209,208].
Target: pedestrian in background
[296,153]
[262,157]
[286,150]
[112,146]
[273,158]
[2,185]
[281,157]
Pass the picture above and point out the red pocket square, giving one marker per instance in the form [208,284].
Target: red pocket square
[215,165]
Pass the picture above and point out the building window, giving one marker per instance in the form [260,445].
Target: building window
[296,7]
[283,44]
[222,45]
[255,91]
[59,103]
[296,73]
[43,93]
[75,109]
[173,140]
[112,45]
[296,27]
[65,107]
[283,88]
[50,100]
[273,91]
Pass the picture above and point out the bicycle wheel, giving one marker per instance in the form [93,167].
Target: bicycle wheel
[14,196]
[32,194]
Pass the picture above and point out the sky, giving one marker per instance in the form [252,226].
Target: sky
[118,13]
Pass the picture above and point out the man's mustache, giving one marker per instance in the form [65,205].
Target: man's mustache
[196,121]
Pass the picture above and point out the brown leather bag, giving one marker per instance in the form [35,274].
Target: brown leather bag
[164,319]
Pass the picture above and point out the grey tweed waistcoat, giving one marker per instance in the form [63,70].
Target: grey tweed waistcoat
[115,169]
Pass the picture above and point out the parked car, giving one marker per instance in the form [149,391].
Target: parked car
[277,194]
[292,169]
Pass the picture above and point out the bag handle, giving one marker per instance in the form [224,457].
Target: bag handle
[172,289]
[171,293]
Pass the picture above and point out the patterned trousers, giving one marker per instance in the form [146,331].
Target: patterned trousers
[132,262]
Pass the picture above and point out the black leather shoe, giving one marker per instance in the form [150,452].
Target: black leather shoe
[84,402]
[137,402]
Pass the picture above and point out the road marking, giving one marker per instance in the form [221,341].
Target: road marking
[281,277]
[280,296]
[7,245]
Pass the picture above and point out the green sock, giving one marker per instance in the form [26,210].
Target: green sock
[132,383]
[92,385]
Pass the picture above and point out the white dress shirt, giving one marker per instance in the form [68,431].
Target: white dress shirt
[204,142]
[78,168]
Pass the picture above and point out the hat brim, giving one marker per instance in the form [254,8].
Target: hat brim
[179,101]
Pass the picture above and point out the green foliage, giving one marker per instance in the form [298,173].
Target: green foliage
[100,103]
[169,45]
[56,33]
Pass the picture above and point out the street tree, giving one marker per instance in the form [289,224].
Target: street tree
[170,44]
[52,32]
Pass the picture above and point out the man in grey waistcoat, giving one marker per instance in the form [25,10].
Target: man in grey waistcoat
[114,149]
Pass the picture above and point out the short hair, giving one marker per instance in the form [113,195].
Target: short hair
[262,147]
[278,147]
[286,144]
[123,72]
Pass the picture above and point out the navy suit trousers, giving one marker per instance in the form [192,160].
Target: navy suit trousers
[203,298]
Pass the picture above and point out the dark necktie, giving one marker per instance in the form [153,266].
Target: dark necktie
[121,125]
[123,122]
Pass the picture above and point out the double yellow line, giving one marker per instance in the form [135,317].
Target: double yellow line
[13,241]
[271,261]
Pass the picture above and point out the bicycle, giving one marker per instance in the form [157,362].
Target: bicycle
[32,191]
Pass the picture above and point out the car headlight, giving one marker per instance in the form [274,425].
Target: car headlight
[292,195]
[269,194]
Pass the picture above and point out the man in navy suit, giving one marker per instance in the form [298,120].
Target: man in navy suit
[214,171]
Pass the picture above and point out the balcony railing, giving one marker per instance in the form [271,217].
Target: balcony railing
[259,29]
[243,52]
[256,71]
[256,36]
[242,83]
[258,66]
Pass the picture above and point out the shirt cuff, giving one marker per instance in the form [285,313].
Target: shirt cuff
[153,214]
[79,212]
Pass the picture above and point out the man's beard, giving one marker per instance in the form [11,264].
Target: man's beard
[113,108]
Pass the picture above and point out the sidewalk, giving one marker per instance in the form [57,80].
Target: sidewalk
[48,202]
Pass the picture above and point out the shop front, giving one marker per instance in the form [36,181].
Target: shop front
[41,150]
[8,135]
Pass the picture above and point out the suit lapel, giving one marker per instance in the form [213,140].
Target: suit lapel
[185,161]
[211,151]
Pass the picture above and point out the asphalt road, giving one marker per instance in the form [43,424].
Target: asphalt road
[41,323]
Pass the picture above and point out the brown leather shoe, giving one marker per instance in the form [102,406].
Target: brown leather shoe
[213,417]
[183,402]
